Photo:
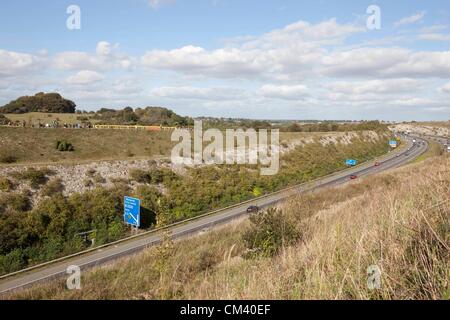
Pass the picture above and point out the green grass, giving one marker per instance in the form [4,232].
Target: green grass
[434,149]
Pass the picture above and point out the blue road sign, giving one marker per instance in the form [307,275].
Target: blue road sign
[350,162]
[132,211]
[393,143]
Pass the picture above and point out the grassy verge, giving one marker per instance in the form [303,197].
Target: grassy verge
[434,149]
[398,221]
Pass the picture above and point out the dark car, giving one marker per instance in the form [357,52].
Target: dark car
[252,209]
[353,176]
[377,164]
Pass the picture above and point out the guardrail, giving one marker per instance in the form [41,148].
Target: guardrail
[198,217]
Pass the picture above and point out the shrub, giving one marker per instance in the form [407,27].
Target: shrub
[139,175]
[64,146]
[8,159]
[12,261]
[88,183]
[17,202]
[91,172]
[6,185]
[55,186]
[269,232]
[98,178]
[35,177]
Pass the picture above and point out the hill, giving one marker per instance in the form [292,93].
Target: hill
[142,116]
[389,221]
[41,102]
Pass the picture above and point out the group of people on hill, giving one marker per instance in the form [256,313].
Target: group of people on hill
[53,124]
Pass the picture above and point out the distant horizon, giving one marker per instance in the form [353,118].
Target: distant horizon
[229,117]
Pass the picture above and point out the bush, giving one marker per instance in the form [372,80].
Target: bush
[98,178]
[269,232]
[6,185]
[55,186]
[139,175]
[17,202]
[88,183]
[8,159]
[12,261]
[35,177]
[64,146]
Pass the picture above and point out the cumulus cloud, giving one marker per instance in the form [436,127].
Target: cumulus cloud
[410,20]
[281,54]
[14,63]
[197,93]
[285,92]
[85,77]
[445,88]
[387,62]
[104,58]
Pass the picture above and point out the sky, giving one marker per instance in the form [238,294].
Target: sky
[233,58]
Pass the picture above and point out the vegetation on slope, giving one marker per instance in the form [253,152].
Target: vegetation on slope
[34,145]
[142,116]
[32,235]
[398,221]
[41,102]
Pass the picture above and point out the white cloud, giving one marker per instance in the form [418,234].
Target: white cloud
[281,54]
[434,37]
[104,58]
[445,88]
[433,28]
[410,20]
[285,92]
[378,87]
[15,63]
[196,93]
[387,62]
[85,77]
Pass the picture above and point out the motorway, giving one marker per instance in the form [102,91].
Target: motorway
[101,255]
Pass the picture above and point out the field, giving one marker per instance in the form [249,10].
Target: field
[397,222]
[34,145]
[40,117]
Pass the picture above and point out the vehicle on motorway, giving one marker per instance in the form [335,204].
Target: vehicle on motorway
[253,209]
[353,176]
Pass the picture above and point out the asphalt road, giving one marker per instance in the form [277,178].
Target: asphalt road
[114,251]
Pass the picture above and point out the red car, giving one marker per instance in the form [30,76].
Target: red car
[377,164]
[353,176]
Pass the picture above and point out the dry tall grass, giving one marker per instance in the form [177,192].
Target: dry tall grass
[399,221]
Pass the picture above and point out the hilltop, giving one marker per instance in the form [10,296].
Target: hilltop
[40,102]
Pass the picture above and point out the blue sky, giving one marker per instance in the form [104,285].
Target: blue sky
[255,59]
